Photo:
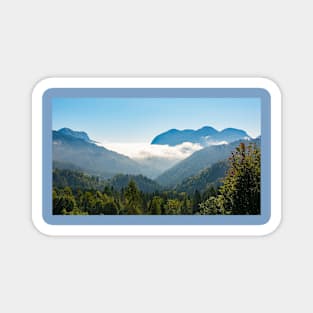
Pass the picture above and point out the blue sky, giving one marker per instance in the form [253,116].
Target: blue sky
[141,119]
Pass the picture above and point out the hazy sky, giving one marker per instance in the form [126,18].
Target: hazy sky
[141,119]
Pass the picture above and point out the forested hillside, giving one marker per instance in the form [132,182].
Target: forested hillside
[78,180]
[144,184]
[208,177]
[227,187]
[192,165]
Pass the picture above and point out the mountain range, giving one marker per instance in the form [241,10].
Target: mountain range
[74,150]
[205,136]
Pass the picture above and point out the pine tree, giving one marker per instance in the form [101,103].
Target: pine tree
[156,205]
[133,199]
[240,191]
[241,187]
[63,201]
[196,201]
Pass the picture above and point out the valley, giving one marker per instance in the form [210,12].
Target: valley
[188,177]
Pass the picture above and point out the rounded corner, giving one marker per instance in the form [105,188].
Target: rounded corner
[271,226]
[43,85]
[41,225]
[270,85]
[42,88]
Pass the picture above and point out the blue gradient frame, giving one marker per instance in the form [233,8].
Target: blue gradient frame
[260,93]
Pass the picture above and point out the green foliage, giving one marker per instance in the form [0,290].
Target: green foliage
[93,203]
[240,192]
[206,178]
[156,205]
[75,193]
[76,180]
[198,161]
[241,188]
[196,202]
[212,206]
[172,207]
[133,199]
[143,183]
[64,201]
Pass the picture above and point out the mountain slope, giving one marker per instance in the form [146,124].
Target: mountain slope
[198,161]
[207,177]
[155,165]
[90,158]
[78,180]
[205,136]
[143,183]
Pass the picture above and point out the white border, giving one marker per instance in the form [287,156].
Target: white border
[156,230]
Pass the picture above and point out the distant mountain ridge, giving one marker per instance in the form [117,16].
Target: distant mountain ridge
[75,134]
[204,136]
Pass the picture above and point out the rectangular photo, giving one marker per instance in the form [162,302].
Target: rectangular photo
[156,156]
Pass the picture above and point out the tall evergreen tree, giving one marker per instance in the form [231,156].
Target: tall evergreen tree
[240,191]
[241,188]
[133,199]
[196,201]
[156,205]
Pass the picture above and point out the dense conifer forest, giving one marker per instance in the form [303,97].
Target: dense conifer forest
[227,187]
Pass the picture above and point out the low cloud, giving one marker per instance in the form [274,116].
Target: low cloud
[216,143]
[146,150]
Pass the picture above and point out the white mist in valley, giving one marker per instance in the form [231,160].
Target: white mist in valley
[142,150]
[160,157]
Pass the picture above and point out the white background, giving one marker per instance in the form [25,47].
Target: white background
[185,38]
